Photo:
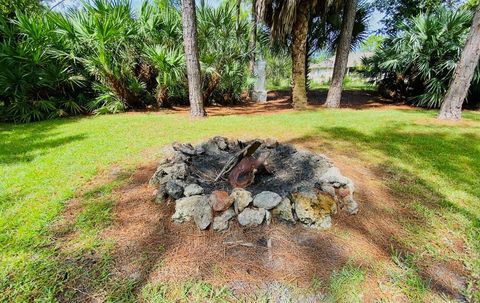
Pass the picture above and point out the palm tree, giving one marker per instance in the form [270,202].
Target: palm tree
[163,61]
[452,104]
[101,38]
[291,18]
[341,58]
[189,22]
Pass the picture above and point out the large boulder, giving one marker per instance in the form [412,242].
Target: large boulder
[267,200]
[314,207]
[284,211]
[185,208]
[251,217]
[241,199]
[203,214]
[221,222]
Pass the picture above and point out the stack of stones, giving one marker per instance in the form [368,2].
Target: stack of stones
[311,202]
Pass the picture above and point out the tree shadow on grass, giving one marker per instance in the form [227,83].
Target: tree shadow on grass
[453,158]
[24,142]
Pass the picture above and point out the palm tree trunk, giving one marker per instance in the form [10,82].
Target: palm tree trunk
[162,96]
[253,37]
[299,50]
[191,57]
[457,92]
[341,58]
[122,91]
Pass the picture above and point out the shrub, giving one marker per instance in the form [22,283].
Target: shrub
[419,63]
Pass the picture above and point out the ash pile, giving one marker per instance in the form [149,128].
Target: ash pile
[221,180]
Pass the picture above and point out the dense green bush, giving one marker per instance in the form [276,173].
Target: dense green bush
[34,83]
[418,64]
[103,58]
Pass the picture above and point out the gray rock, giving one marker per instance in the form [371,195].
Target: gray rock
[221,142]
[203,214]
[186,149]
[267,200]
[284,210]
[176,171]
[241,199]
[233,144]
[352,206]
[174,189]
[251,217]
[221,222]
[185,208]
[192,189]
[161,195]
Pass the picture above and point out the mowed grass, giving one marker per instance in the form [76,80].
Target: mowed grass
[44,164]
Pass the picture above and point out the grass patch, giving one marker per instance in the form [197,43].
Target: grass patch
[190,291]
[345,285]
[407,277]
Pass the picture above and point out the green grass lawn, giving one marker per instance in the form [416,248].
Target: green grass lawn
[44,164]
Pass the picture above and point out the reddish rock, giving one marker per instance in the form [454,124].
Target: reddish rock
[220,200]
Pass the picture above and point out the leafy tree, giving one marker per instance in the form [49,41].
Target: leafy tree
[372,43]
[397,11]
[101,39]
[421,61]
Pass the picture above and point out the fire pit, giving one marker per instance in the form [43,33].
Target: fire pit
[253,181]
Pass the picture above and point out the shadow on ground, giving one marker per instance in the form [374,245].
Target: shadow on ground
[149,248]
[23,142]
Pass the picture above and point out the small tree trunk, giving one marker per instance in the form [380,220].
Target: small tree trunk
[299,49]
[341,58]
[162,96]
[451,108]
[191,57]
[253,37]
[212,85]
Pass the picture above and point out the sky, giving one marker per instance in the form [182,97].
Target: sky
[374,25]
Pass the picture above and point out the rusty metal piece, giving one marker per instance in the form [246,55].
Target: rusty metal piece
[243,174]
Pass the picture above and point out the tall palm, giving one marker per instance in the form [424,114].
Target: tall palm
[288,18]
[189,22]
